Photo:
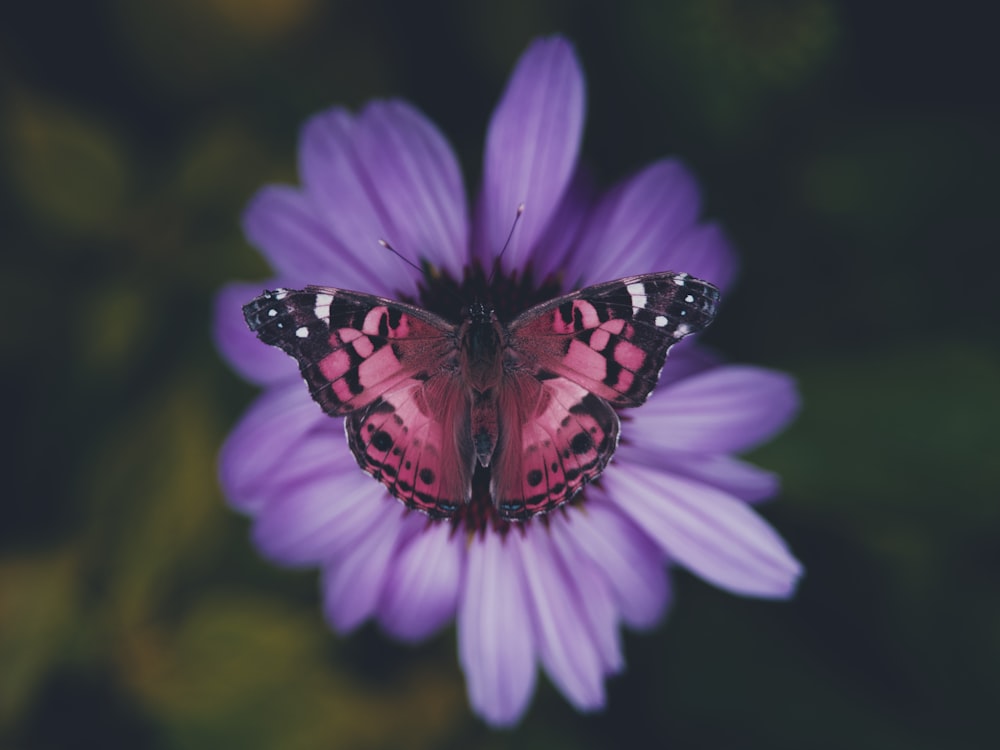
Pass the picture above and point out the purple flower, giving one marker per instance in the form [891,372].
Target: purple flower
[554,589]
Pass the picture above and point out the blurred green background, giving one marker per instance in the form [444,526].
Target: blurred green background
[850,149]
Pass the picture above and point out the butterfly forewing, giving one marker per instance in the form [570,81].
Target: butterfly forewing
[612,338]
[351,347]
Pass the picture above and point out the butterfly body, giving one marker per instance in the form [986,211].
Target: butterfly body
[430,404]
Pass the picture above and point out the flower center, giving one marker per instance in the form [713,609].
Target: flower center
[508,294]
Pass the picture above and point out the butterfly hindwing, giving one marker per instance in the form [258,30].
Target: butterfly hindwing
[612,338]
[416,441]
[558,437]
[351,347]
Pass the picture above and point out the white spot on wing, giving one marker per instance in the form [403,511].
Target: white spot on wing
[680,279]
[322,308]
[689,298]
[302,332]
[638,292]
[661,321]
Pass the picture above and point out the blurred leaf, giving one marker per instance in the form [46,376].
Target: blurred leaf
[155,493]
[222,164]
[67,168]
[39,612]
[218,170]
[111,321]
[245,672]
[258,20]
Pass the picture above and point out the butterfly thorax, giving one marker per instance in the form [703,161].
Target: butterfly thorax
[481,344]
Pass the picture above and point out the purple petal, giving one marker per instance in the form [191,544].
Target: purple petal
[421,593]
[725,409]
[592,594]
[687,358]
[495,635]
[731,475]
[560,237]
[260,364]
[353,583]
[322,515]
[566,647]
[266,437]
[635,226]
[531,150]
[283,223]
[705,252]
[709,532]
[415,183]
[631,564]
[339,188]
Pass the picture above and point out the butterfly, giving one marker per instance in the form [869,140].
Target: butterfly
[430,404]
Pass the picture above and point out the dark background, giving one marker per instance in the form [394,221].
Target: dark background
[849,148]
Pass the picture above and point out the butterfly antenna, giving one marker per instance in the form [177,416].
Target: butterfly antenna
[394,251]
[506,244]
[422,271]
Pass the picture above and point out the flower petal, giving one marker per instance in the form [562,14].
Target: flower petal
[592,593]
[415,182]
[709,532]
[266,437]
[318,517]
[726,409]
[555,245]
[338,186]
[421,593]
[283,223]
[260,364]
[565,645]
[686,358]
[628,560]
[705,252]
[731,475]
[531,150]
[495,635]
[635,226]
[353,583]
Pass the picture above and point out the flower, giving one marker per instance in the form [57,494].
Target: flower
[555,589]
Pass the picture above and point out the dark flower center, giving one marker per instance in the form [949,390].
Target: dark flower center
[507,295]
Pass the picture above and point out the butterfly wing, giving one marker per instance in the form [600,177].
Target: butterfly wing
[352,347]
[612,338]
[576,357]
[557,437]
[392,370]
[417,441]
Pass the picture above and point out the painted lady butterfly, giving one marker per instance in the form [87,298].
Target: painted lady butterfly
[430,404]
